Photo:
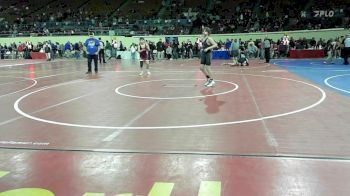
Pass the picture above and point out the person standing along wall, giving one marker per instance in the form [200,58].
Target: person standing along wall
[160,49]
[346,49]
[47,50]
[267,47]
[101,54]
[133,48]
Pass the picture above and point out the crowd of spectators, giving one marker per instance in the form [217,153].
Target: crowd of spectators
[171,49]
[223,16]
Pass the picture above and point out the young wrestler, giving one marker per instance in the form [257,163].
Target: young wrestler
[208,44]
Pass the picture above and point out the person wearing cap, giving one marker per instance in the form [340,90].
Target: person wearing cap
[92,48]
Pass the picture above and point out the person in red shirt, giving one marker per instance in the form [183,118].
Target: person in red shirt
[20,50]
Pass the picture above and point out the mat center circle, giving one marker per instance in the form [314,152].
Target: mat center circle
[175,89]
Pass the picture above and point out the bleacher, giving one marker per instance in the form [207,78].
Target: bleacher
[124,15]
[141,9]
[102,7]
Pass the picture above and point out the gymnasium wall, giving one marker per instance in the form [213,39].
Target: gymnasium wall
[325,34]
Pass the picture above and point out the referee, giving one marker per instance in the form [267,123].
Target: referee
[101,54]
[346,49]
[267,46]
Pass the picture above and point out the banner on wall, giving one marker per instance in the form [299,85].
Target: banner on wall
[171,39]
[322,13]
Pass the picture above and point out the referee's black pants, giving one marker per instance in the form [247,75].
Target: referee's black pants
[101,56]
[267,55]
[346,55]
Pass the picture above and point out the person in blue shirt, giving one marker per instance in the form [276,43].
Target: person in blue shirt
[67,46]
[92,48]
[228,44]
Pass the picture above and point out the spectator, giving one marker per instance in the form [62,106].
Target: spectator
[76,50]
[20,50]
[252,50]
[115,47]
[346,49]
[330,50]
[133,49]
[313,43]
[152,51]
[101,54]
[108,49]
[160,49]
[228,44]
[169,52]
[47,50]
[235,48]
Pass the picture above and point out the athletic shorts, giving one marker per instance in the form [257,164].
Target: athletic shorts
[206,58]
[143,56]
[242,60]
[235,53]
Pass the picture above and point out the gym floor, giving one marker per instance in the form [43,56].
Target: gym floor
[264,129]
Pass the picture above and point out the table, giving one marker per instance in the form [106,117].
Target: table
[123,54]
[127,54]
[221,54]
[298,54]
[38,55]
